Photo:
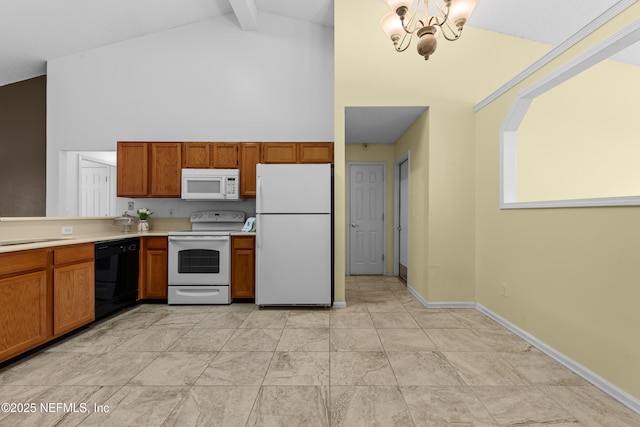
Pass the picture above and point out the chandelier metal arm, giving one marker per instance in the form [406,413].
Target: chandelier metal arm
[442,21]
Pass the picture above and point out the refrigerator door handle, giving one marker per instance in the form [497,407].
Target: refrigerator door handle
[258,236]
[259,194]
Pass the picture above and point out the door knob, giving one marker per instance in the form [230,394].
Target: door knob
[353,224]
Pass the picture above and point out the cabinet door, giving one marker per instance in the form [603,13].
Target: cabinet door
[156,285]
[73,296]
[243,268]
[133,172]
[224,155]
[154,279]
[195,155]
[315,152]
[23,313]
[279,152]
[166,169]
[249,158]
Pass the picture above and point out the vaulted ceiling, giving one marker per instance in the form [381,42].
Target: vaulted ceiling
[34,31]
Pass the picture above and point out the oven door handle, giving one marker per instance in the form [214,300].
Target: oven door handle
[197,239]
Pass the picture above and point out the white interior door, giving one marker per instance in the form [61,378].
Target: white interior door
[403,228]
[94,191]
[366,214]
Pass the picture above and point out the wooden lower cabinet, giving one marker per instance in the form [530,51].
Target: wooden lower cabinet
[73,297]
[154,265]
[243,266]
[73,287]
[23,313]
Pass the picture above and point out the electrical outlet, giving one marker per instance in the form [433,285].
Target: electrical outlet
[130,206]
[67,230]
[504,290]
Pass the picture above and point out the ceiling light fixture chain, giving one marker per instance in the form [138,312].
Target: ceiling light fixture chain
[400,25]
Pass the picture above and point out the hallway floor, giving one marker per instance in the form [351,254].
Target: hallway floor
[384,360]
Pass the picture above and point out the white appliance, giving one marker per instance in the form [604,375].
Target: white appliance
[200,258]
[293,234]
[210,184]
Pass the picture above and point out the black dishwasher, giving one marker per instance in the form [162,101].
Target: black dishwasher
[117,263]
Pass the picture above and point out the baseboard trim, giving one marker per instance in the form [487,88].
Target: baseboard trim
[612,390]
[448,304]
[339,304]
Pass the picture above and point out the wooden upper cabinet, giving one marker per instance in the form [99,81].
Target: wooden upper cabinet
[315,152]
[196,155]
[210,155]
[297,152]
[249,154]
[224,155]
[279,152]
[133,169]
[166,169]
[149,169]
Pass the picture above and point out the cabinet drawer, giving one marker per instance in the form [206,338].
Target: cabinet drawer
[15,262]
[155,243]
[243,242]
[73,253]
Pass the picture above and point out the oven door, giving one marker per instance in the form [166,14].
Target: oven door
[199,260]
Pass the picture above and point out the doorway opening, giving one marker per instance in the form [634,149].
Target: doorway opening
[401,218]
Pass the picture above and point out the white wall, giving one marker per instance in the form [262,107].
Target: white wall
[208,81]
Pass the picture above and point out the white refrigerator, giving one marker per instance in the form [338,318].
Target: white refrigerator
[293,234]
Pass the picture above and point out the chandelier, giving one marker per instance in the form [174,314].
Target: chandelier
[400,25]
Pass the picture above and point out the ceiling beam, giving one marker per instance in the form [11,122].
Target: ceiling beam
[247,13]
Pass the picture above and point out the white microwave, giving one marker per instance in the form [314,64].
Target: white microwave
[210,184]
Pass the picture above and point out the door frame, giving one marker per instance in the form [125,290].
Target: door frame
[384,216]
[396,208]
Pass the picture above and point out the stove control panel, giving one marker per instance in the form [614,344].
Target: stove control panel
[218,216]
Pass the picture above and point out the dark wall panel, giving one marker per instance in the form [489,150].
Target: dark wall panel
[23,148]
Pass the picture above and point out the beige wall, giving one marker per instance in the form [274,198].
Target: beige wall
[368,72]
[579,140]
[572,274]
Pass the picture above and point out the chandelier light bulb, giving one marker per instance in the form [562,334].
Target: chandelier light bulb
[461,11]
[392,26]
[396,4]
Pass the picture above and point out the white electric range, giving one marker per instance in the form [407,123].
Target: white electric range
[200,258]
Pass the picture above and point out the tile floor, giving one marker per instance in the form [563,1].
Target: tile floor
[385,360]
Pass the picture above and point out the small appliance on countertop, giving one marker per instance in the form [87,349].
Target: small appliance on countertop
[200,258]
